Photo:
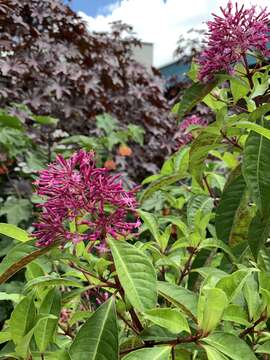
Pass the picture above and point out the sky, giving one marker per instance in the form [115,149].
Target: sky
[158,21]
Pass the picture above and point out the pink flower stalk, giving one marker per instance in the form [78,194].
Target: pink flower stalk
[231,36]
[77,192]
[186,135]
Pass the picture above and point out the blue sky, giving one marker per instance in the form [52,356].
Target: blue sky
[91,7]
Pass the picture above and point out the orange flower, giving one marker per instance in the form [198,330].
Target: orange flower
[124,150]
[110,165]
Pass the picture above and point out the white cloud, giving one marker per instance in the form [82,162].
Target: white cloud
[160,22]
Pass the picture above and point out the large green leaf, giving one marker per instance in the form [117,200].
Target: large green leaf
[258,233]
[22,319]
[230,345]
[155,353]
[256,167]
[13,232]
[44,331]
[211,306]
[136,274]
[98,338]
[171,319]
[183,298]
[227,209]
[18,257]
[193,95]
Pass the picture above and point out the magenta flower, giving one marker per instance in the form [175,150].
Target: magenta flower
[186,135]
[231,36]
[89,198]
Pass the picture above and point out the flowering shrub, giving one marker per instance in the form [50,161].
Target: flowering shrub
[232,36]
[75,190]
[193,282]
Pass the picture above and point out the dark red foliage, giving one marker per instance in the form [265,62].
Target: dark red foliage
[51,62]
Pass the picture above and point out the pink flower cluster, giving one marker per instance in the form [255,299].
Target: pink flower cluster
[232,36]
[185,134]
[76,191]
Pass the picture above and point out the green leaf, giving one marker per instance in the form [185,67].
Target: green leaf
[16,210]
[44,331]
[227,209]
[181,160]
[200,148]
[259,112]
[258,129]
[10,297]
[136,133]
[213,354]
[4,336]
[264,348]
[233,284]
[13,232]
[58,355]
[258,233]
[171,319]
[79,316]
[256,167]
[22,319]
[252,297]
[156,333]
[202,203]
[8,351]
[18,257]
[160,183]
[22,348]
[50,280]
[175,220]
[155,353]
[136,274]
[193,95]
[211,306]
[151,223]
[237,314]
[214,243]
[98,337]
[183,298]
[7,120]
[230,345]
[45,120]
[106,122]
[239,89]
[165,237]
